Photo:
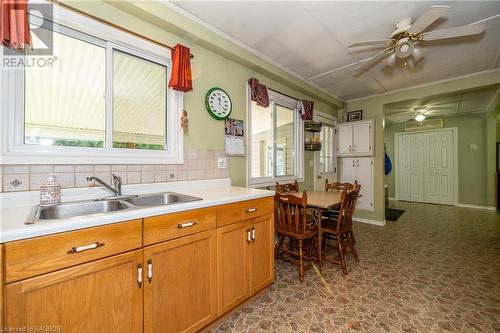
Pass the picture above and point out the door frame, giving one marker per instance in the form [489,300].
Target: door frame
[455,158]
[330,120]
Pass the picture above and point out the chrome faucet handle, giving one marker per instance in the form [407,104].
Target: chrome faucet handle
[117,182]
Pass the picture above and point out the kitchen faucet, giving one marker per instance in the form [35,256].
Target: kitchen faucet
[117,184]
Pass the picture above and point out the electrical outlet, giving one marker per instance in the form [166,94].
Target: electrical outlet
[473,146]
[222,162]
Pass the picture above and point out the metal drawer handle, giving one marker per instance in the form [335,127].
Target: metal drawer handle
[79,249]
[251,210]
[186,225]
[139,275]
[150,270]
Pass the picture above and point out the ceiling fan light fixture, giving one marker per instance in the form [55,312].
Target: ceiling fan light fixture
[420,117]
[417,54]
[391,60]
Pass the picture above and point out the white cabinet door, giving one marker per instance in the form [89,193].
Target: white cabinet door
[362,139]
[347,170]
[364,174]
[361,170]
[344,138]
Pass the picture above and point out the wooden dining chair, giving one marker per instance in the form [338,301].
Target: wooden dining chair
[285,188]
[291,225]
[331,213]
[338,229]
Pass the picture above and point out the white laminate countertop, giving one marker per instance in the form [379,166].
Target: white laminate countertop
[15,207]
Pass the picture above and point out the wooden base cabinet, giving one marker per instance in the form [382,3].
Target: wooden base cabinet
[245,260]
[261,253]
[100,296]
[172,273]
[233,265]
[180,284]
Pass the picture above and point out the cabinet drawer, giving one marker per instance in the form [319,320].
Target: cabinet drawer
[31,257]
[244,210]
[164,227]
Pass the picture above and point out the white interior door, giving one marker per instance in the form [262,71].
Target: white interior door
[362,138]
[363,175]
[431,178]
[403,168]
[416,167]
[344,135]
[425,167]
[439,167]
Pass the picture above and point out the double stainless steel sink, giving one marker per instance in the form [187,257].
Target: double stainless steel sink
[102,206]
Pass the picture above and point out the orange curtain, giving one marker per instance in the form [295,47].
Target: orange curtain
[15,28]
[180,78]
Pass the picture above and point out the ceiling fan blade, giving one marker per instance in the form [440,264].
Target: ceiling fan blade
[464,30]
[382,54]
[427,18]
[371,42]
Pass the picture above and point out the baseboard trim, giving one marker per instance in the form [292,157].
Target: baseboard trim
[369,221]
[475,206]
[392,199]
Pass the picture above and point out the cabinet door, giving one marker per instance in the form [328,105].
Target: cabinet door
[180,284]
[233,269]
[362,138]
[100,296]
[344,137]
[262,253]
[347,170]
[364,176]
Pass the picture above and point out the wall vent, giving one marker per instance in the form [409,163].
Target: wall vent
[427,124]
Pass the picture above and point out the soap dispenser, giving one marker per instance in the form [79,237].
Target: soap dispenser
[50,192]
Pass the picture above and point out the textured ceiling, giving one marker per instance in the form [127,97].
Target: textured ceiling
[458,103]
[311,38]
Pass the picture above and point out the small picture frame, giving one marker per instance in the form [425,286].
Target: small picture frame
[355,115]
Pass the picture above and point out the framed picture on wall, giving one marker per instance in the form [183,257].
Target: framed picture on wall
[355,115]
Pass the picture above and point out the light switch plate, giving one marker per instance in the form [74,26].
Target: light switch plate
[222,162]
[473,146]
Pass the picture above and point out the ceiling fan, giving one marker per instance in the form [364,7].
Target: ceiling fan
[403,42]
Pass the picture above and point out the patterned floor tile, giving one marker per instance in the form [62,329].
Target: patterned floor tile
[436,269]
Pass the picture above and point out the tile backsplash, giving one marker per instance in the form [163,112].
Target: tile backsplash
[198,164]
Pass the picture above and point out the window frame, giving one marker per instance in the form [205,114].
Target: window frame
[14,151]
[288,102]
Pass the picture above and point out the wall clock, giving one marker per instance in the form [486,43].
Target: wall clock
[218,103]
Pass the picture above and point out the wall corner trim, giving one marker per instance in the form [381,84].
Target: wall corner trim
[475,206]
[369,221]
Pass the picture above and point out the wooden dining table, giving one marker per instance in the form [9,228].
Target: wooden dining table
[320,201]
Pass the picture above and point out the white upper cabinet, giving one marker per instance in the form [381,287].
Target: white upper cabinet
[355,138]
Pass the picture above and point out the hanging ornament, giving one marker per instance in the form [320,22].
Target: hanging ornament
[185,122]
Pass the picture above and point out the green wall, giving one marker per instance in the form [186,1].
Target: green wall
[216,63]
[373,107]
[472,164]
